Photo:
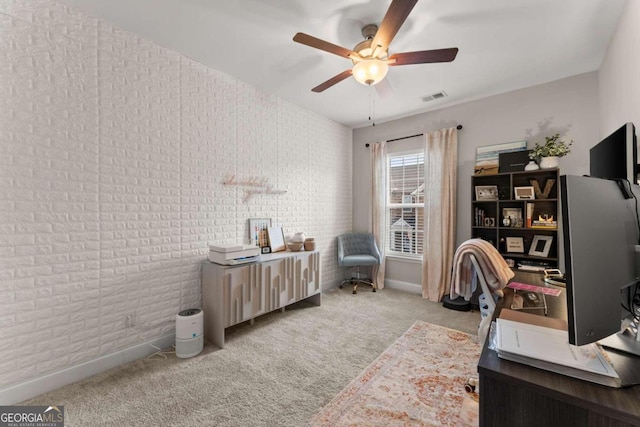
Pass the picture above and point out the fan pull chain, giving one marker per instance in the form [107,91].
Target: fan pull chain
[372,106]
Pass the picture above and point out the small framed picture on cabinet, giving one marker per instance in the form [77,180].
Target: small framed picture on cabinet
[524,193]
[515,244]
[486,192]
[540,246]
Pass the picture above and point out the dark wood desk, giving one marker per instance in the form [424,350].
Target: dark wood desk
[513,394]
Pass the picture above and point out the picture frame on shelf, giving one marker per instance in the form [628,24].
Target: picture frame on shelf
[514,213]
[258,231]
[276,239]
[486,192]
[514,244]
[524,193]
[488,156]
[540,246]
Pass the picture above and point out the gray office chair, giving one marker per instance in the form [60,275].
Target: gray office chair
[358,250]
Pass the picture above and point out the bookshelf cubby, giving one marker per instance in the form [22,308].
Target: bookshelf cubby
[496,199]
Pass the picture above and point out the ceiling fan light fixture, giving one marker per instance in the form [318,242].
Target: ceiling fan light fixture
[370,71]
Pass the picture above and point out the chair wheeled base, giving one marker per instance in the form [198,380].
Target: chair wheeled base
[354,281]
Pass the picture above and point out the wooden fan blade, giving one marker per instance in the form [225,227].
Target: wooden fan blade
[391,23]
[424,56]
[333,80]
[317,43]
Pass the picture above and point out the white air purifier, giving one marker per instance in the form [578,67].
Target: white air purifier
[189,333]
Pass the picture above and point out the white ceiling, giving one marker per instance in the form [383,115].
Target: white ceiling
[504,45]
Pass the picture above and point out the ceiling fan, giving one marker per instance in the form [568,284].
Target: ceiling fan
[370,57]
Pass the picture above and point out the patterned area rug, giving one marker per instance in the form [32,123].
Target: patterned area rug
[418,381]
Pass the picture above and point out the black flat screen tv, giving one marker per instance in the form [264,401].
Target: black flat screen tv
[616,156]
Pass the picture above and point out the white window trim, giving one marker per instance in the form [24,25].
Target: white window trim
[390,254]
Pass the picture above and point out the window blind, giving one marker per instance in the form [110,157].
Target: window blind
[405,205]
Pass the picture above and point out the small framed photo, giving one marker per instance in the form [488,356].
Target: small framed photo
[540,246]
[524,193]
[513,213]
[486,192]
[276,239]
[515,245]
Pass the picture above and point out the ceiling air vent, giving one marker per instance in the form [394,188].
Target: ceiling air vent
[434,96]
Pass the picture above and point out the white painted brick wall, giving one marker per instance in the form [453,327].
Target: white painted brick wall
[113,153]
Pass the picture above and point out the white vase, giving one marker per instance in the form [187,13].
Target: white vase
[550,162]
[532,166]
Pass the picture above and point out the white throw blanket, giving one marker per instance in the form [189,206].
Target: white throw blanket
[494,269]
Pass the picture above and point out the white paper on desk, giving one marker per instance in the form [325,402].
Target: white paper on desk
[551,345]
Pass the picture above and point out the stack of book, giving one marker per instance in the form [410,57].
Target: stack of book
[544,224]
[528,265]
[478,217]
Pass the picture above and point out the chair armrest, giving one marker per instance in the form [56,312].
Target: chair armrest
[374,250]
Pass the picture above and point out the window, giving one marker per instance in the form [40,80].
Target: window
[405,204]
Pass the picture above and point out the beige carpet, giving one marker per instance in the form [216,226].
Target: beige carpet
[418,381]
[278,372]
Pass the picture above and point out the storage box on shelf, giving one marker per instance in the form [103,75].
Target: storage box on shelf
[518,212]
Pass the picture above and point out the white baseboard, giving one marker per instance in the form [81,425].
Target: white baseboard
[411,288]
[34,387]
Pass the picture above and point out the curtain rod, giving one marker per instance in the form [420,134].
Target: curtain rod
[410,136]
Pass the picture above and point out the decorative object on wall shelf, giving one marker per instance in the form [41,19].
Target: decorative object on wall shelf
[295,246]
[253,185]
[489,222]
[542,194]
[310,244]
[549,162]
[298,237]
[550,151]
[532,166]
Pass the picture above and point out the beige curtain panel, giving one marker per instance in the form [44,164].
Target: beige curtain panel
[378,198]
[440,162]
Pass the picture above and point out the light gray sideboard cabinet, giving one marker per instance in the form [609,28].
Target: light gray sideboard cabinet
[232,294]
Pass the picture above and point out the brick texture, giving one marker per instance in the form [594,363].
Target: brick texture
[113,156]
